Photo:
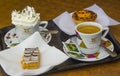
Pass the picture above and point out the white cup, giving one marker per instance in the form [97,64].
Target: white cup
[93,40]
[24,31]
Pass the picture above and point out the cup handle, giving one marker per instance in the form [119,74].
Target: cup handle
[106,29]
[45,24]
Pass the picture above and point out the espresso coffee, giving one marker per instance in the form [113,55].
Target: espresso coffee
[88,29]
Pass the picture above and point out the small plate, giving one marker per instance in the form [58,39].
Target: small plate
[12,39]
[72,51]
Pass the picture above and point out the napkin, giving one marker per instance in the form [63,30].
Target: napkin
[67,25]
[50,57]
[102,17]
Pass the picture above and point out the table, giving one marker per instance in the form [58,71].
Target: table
[49,9]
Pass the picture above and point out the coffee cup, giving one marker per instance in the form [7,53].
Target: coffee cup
[24,31]
[91,34]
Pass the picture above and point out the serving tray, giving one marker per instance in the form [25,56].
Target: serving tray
[57,42]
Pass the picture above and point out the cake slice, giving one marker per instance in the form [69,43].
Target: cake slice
[31,58]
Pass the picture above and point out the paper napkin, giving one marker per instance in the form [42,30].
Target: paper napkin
[66,24]
[50,57]
[102,17]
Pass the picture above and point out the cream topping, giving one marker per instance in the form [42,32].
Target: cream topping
[27,17]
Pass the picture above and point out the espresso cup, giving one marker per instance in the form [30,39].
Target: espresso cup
[91,34]
[24,31]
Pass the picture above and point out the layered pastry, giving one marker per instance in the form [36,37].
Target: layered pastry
[27,16]
[31,58]
[83,15]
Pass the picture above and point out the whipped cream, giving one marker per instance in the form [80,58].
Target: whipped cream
[28,17]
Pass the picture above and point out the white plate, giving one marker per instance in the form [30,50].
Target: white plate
[11,39]
[101,54]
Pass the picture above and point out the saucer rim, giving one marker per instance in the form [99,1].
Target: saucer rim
[88,59]
[9,46]
[85,49]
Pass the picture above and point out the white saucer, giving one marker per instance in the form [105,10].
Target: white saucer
[78,55]
[11,39]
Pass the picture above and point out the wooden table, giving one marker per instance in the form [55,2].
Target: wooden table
[49,9]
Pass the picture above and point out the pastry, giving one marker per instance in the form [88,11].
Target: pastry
[31,58]
[83,15]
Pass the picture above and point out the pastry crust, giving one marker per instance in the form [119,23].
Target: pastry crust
[31,58]
[83,15]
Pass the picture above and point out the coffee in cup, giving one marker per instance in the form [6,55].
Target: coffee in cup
[88,29]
